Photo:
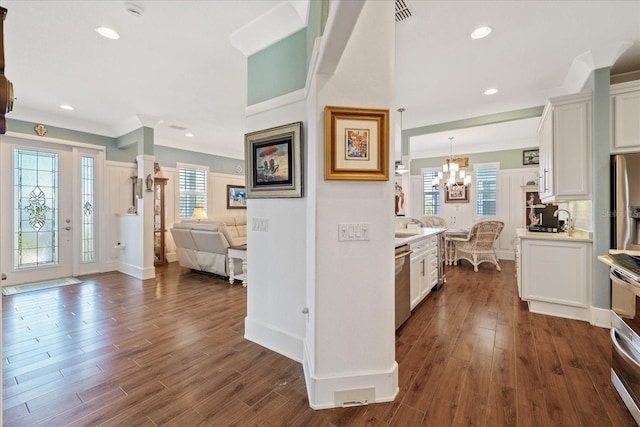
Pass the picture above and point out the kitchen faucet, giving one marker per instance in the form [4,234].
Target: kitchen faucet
[569,224]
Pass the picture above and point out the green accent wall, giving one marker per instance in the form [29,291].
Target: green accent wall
[113,152]
[489,119]
[277,70]
[168,157]
[598,83]
[508,159]
[140,141]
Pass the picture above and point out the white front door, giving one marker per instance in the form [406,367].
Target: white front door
[41,230]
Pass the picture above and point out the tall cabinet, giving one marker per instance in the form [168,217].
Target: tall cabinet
[565,149]
[159,252]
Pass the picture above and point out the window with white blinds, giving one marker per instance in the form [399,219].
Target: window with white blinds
[192,188]
[486,182]
[431,195]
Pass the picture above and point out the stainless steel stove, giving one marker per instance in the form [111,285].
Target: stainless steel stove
[625,326]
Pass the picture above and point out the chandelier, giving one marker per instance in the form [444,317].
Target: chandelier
[451,175]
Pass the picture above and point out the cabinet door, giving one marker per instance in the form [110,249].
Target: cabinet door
[545,180]
[625,110]
[158,221]
[416,265]
[555,272]
[571,164]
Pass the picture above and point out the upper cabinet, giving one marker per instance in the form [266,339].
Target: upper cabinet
[625,113]
[565,149]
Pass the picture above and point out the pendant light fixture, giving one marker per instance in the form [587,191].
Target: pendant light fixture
[451,175]
[401,167]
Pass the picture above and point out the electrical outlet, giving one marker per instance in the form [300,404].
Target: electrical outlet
[354,397]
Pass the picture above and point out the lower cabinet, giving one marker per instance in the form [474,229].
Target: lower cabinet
[555,277]
[424,268]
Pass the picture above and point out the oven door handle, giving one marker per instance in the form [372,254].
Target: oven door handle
[621,351]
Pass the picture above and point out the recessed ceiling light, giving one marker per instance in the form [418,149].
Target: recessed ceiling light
[108,33]
[480,32]
[189,134]
[67,107]
[491,91]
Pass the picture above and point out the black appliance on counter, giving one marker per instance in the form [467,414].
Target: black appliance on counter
[547,223]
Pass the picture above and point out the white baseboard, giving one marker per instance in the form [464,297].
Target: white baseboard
[321,391]
[594,315]
[274,339]
[601,317]
[137,272]
[505,254]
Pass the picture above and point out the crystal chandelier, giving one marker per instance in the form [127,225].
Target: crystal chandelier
[451,175]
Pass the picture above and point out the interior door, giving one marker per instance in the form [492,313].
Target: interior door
[37,228]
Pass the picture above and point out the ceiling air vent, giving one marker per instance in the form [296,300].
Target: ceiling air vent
[402,11]
[176,127]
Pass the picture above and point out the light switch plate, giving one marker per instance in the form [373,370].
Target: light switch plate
[260,224]
[349,232]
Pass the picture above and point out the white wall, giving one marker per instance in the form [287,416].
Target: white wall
[277,257]
[350,343]
[347,339]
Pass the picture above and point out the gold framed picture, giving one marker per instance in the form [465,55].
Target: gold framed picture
[356,144]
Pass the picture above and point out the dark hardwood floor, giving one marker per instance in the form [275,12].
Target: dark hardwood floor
[116,351]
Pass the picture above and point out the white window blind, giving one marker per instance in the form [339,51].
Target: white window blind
[486,179]
[431,195]
[193,190]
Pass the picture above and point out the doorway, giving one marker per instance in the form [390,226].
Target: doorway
[50,216]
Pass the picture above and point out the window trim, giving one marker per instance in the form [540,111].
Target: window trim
[489,165]
[179,193]
[438,192]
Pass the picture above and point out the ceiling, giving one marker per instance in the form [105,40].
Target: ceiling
[175,67]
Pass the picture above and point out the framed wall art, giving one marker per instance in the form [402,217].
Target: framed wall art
[531,157]
[356,144]
[236,197]
[456,193]
[274,162]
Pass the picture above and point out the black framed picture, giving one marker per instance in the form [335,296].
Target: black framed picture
[274,162]
[531,157]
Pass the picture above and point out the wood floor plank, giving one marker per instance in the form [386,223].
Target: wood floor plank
[171,351]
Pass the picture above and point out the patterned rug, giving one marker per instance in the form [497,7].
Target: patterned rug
[28,287]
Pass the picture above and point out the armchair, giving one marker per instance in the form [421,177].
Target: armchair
[478,246]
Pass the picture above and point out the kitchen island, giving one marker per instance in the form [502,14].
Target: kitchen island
[553,272]
[427,258]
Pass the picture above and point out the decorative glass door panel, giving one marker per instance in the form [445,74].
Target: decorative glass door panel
[36,216]
[40,246]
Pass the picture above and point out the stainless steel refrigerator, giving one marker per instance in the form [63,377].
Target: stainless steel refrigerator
[626,202]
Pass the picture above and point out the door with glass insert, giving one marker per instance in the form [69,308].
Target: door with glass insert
[41,238]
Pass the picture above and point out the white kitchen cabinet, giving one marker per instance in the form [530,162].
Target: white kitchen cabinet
[424,268]
[625,111]
[565,149]
[555,276]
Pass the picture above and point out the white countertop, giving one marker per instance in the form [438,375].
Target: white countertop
[577,236]
[417,234]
